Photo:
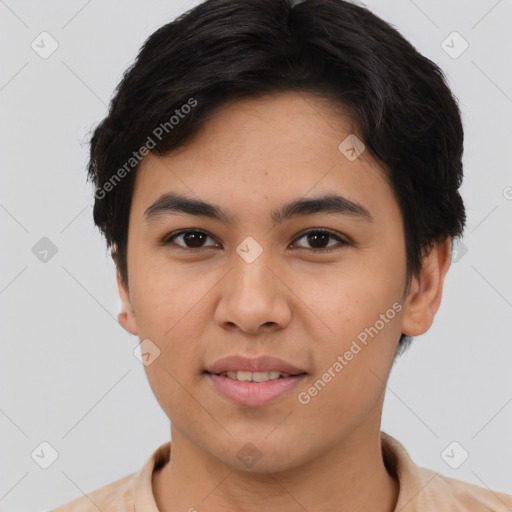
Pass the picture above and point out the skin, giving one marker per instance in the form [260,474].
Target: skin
[291,302]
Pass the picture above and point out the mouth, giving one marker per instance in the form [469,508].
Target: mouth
[245,376]
[252,381]
[254,389]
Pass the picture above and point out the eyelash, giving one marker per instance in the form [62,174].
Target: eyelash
[169,239]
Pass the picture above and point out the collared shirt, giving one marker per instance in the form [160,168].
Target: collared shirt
[421,489]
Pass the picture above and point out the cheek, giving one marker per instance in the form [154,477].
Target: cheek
[164,298]
[172,309]
[354,357]
[353,300]
[351,371]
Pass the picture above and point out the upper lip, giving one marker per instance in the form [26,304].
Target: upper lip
[259,364]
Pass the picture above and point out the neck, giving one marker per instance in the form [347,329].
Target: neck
[350,476]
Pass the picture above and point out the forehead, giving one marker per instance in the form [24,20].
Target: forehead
[266,148]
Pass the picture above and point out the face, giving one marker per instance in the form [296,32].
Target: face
[332,304]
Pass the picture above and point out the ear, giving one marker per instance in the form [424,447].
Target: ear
[126,316]
[424,296]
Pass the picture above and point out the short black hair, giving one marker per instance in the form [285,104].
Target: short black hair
[224,50]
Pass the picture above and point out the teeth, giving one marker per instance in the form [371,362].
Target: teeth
[254,376]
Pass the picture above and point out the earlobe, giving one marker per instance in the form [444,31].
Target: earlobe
[126,316]
[424,297]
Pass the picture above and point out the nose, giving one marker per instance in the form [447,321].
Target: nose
[253,297]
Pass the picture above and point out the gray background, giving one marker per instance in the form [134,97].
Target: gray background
[68,374]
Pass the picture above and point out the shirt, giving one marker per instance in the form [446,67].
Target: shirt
[421,489]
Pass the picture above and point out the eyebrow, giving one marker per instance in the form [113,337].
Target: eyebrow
[173,203]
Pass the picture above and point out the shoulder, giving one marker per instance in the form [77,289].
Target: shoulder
[127,493]
[422,489]
[108,498]
[463,496]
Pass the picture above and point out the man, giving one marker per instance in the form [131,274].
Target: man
[279,184]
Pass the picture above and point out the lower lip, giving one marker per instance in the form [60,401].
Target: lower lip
[253,394]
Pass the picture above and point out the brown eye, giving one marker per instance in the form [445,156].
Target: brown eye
[319,238]
[192,239]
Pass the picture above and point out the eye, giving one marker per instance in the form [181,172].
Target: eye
[194,239]
[318,237]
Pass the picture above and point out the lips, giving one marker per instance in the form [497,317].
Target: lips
[236,363]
